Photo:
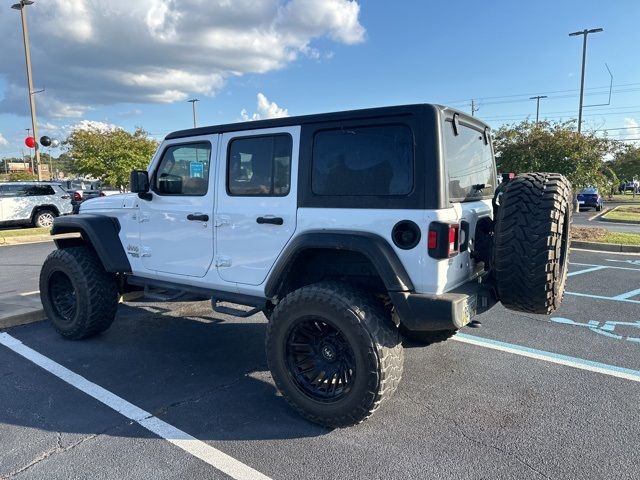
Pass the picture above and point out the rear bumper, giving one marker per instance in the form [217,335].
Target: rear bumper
[447,311]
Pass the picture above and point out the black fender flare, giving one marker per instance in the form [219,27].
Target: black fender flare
[101,232]
[374,247]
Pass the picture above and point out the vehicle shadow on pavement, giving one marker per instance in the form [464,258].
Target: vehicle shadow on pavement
[204,374]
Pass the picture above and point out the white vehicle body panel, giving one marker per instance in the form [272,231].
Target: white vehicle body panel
[246,251]
[20,208]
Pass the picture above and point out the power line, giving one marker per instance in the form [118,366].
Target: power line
[606,88]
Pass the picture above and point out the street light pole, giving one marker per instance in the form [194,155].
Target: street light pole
[537,98]
[584,32]
[193,104]
[27,56]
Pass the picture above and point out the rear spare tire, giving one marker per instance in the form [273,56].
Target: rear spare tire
[531,251]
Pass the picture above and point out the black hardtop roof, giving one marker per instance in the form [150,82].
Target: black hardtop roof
[318,117]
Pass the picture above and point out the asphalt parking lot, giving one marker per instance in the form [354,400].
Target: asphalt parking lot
[524,396]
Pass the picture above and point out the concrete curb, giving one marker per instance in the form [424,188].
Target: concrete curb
[599,214]
[605,247]
[22,319]
[25,239]
[610,220]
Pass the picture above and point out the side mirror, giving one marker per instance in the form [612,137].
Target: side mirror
[139,183]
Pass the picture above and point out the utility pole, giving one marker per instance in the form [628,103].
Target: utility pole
[537,98]
[474,107]
[30,156]
[27,56]
[193,105]
[584,33]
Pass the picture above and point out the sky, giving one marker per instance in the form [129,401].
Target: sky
[135,64]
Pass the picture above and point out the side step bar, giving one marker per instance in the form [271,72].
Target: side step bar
[258,304]
[158,290]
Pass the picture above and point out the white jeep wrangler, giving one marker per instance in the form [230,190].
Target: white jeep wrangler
[348,230]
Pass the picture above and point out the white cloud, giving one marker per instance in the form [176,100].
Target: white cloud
[632,128]
[266,109]
[93,125]
[3,141]
[89,53]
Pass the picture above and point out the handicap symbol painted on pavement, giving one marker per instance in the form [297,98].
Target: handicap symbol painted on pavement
[603,328]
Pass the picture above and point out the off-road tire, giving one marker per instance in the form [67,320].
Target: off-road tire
[423,339]
[369,332]
[43,218]
[95,292]
[532,234]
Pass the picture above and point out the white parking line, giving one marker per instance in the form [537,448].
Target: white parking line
[26,294]
[624,296]
[574,362]
[214,457]
[600,297]
[605,266]
[586,270]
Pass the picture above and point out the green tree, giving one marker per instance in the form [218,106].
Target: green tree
[555,147]
[626,162]
[110,155]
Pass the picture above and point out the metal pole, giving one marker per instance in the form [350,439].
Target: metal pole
[584,34]
[584,60]
[32,100]
[537,98]
[30,156]
[193,105]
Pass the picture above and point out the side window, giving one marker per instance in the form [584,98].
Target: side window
[259,166]
[470,164]
[38,190]
[184,170]
[363,161]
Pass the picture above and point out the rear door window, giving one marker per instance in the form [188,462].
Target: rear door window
[363,161]
[471,173]
[38,190]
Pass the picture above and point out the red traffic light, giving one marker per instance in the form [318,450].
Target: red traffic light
[30,142]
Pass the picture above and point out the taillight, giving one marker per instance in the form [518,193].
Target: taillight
[433,240]
[454,230]
[76,196]
[443,239]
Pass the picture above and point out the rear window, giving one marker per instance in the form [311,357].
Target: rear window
[363,161]
[470,164]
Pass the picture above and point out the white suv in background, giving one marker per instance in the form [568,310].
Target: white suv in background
[32,203]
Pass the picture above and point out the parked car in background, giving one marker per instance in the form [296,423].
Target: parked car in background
[80,195]
[590,198]
[32,203]
[630,186]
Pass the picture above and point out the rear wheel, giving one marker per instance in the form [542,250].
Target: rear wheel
[44,218]
[334,353]
[531,251]
[78,295]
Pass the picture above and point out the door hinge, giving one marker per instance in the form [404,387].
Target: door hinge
[223,261]
[221,220]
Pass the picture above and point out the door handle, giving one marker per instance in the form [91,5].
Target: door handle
[198,217]
[271,220]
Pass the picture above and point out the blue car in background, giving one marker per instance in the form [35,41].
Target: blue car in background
[590,198]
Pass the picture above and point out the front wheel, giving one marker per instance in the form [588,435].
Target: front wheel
[334,353]
[78,295]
